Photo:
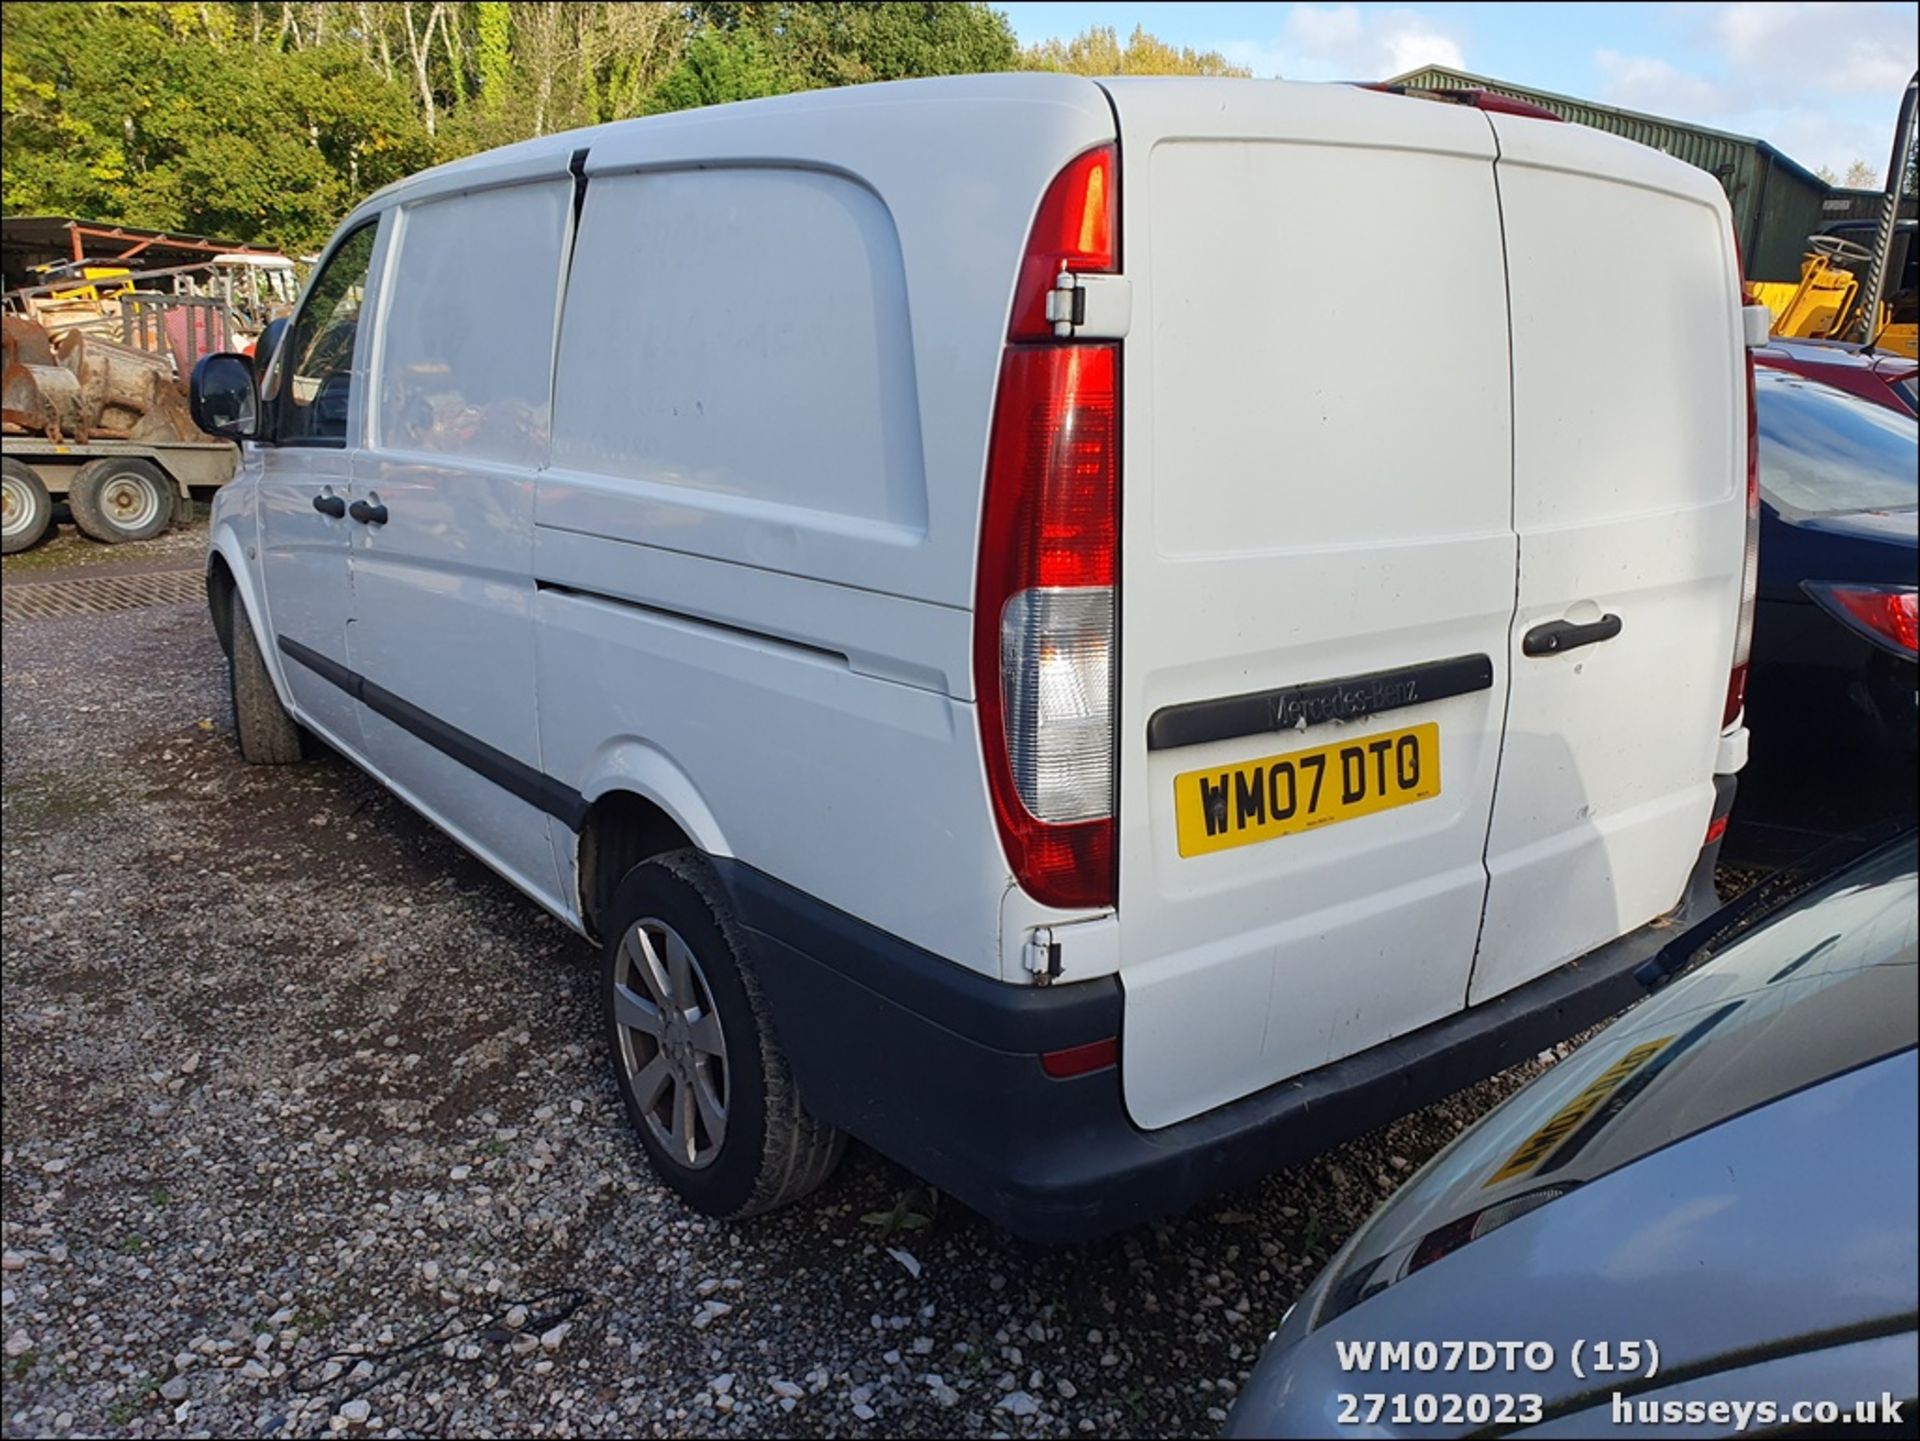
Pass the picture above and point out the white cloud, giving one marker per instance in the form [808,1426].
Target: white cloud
[1416,45]
[1801,76]
[1644,82]
[1342,42]
[1844,49]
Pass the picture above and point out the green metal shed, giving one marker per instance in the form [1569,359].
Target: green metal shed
[1777,202]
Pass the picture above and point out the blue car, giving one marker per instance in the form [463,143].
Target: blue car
[1713,1200]
[1831,692]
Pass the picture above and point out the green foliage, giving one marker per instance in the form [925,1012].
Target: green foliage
[492,50]
[266,120]
[848,42]
[1097,51]
[115,112]
[719,66]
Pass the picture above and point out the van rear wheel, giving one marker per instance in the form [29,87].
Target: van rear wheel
[693,1051]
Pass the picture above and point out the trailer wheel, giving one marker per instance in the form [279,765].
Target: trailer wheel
[28,509]
[120,499]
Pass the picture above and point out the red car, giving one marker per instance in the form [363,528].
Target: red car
[1884,379]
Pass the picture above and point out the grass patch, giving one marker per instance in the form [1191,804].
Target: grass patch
[145,1392]
[47,802]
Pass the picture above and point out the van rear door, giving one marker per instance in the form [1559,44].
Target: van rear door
[1629,492]
[1316,579]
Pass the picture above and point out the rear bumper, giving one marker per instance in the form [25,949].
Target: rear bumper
[939,1067]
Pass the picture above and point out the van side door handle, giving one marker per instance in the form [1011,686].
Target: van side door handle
[1563,635]
[368,514]
[331,505]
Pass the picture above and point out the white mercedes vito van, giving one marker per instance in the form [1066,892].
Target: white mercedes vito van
[1100,637]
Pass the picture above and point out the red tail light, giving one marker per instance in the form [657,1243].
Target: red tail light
[1044,615]
[1887,616]
[1750,561]
[1445,1240]
[1073,231]
[1043,619]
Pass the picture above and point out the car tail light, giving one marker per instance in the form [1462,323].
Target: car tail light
[1044,616]
[1884,615]
[1749,564]
[1445,1240]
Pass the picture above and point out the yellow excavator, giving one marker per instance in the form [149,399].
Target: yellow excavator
[1857,279]
[1824,303]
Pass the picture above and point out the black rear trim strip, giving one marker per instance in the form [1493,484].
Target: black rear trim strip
[516,777]
[1293,707]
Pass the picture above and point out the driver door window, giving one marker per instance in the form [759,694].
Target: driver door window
[314,384]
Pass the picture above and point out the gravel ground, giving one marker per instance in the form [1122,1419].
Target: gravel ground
[288,1075]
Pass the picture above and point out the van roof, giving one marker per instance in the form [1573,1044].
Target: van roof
[1569,147]
[531,154]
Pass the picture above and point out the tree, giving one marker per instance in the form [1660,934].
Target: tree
[158,116]
[847,42]
[721,66]
[266,120]
[1097,51]
[1862,176]
[493,57]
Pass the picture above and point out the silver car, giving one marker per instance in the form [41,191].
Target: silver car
[1701,1222]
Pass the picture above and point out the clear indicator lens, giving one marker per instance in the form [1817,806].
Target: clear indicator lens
[1056,650]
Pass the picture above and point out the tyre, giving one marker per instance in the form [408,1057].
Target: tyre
[116,500]
[693,1050]
[26,510]
[268,736]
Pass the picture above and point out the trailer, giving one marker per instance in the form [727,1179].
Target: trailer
[116,490]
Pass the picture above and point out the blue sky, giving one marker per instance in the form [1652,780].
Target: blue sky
[1820,81]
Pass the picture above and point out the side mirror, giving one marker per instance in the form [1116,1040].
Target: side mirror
[222,397]
[263,350]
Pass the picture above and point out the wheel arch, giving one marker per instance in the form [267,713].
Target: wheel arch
[640,805]
[228,575]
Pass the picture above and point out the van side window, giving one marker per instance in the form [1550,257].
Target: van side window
[701,303]
[466,342]
[313,384]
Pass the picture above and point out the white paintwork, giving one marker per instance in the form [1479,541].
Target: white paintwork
[1324,455]
[731,569]
[304,568]
[1629,499]
[443,592]
[776,365]
[233,535]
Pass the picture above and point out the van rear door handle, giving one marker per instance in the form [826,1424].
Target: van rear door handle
[368,514]
[1563,635]
[331,505]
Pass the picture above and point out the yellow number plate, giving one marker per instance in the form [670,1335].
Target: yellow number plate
[1303,790]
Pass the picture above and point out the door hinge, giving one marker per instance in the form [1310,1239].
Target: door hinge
[1095,307]
[1041,956]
